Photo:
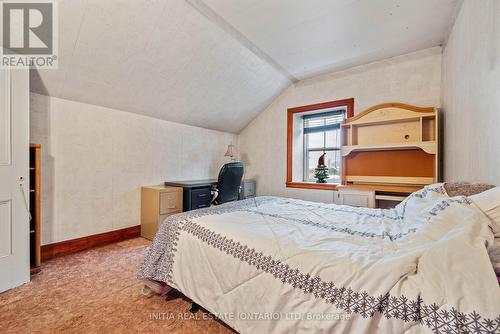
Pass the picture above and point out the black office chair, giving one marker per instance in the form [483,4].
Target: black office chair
[228,184]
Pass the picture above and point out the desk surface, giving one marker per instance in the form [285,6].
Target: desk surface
[192,183]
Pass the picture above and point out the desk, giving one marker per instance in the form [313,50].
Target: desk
[196,193]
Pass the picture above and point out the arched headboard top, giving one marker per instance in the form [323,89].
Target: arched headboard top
[388,111]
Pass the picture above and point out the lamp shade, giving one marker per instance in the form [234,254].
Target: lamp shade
[229,152]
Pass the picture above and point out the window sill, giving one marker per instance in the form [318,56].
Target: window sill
[312,185]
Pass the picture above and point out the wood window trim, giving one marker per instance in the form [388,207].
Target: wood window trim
[348,103]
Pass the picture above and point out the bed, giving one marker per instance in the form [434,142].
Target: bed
[279,265]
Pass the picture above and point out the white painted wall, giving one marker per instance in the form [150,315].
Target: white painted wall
[95,159]
[471,94]
[414,78]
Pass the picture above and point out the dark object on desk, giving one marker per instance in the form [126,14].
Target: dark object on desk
[196,194]
[229,183]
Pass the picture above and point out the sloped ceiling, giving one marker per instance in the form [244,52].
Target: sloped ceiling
[218,63]
[314,37]
[160,58]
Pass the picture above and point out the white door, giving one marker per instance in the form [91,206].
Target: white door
[14,155]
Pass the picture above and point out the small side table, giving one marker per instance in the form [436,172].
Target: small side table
[248,189]
[157,203]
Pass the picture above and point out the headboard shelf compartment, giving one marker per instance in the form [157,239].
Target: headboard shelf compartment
[391,144]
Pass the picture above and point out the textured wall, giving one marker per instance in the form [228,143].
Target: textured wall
[414,78]
[95,159]
[471,94]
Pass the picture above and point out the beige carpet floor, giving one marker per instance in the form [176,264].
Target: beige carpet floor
[96,291]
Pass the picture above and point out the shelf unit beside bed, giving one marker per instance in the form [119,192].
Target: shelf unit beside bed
[390,150]
[35,207]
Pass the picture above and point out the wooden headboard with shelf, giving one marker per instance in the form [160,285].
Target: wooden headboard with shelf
[391,145]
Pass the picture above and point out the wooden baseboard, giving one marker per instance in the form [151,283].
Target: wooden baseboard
[77,245]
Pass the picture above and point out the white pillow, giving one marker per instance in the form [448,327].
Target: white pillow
[489,202]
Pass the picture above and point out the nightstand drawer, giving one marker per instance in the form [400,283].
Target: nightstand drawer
[356,197]
[170,202]
[201,198]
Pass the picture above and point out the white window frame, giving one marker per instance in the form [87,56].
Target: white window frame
[324,148]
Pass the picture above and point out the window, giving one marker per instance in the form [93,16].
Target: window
[322,136]
[313,130]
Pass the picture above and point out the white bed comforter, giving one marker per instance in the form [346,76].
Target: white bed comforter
[276,265]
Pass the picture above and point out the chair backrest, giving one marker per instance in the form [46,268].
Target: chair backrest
[229,182]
